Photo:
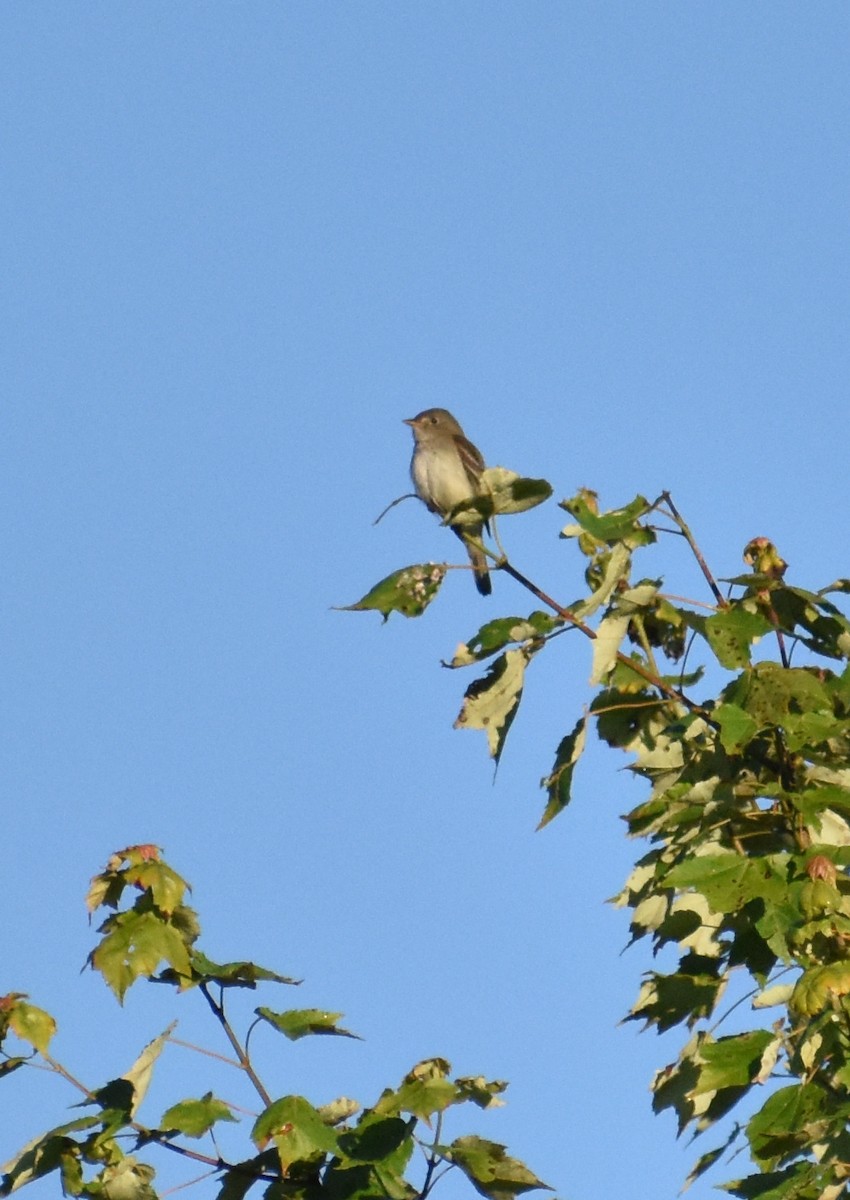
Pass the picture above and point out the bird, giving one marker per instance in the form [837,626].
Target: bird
[446,469]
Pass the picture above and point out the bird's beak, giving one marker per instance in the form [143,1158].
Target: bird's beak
[409,421]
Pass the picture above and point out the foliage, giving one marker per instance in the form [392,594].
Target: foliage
[338,1150]
[743,888]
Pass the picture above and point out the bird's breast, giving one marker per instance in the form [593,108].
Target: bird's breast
[440,478]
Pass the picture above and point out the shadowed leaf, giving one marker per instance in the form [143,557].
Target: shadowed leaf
[558,784]
[491,1170]
[228,975]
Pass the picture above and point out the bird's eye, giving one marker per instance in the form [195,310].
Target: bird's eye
[433,420]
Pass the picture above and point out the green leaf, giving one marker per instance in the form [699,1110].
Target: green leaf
[513,493]
[491,703]
[495,635]
[503,492]
[372,1160]
[816,989]
[827,628]
[780,1129]
[559,782]
[629,714]
[137,942]
[801,1181]
[166,887]
[610,633]
[233,974]
[194,1118]
[732,1061]
[728,881]
[127,1179]
[481,1091]
[491,1170]
[617,565]
[242,1176]
[770,692]
[297,1130]
[813,801]
[136,866]
[378,1139]
[42,1155]
[364,1181]
[737,727]
[617,525]
[426,1089]
[32,1025]
[408,591]
[810,729]
[685,996]
[420,1097]
[706,1161]
[301,1022]
[731,633]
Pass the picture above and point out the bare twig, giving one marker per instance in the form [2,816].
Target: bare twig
[398,500]
[189,1182]
[217,1007]
[231,1062]
[722,602]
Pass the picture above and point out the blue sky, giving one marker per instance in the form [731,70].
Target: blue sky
[241,244]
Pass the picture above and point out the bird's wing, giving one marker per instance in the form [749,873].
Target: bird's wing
[470,456]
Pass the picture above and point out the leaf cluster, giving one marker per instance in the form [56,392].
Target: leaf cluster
[742,888]
[336,1150]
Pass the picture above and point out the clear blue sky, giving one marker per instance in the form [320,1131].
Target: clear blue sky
[241,243]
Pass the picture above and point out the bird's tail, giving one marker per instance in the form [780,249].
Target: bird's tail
[481,572]
[480,569]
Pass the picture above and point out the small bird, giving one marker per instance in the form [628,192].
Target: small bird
[446,469]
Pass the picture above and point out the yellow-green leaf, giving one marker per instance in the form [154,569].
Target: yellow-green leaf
[408,591]
[491,703]
[32,1025]
[194,1118]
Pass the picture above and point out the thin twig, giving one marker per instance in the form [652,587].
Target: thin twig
[231,1062]
[244,1061]
[686,600]
[655,680]
[157,1137]
[697,553]
[398,500]
[432,1158]
[189,1182]
[66,1074]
